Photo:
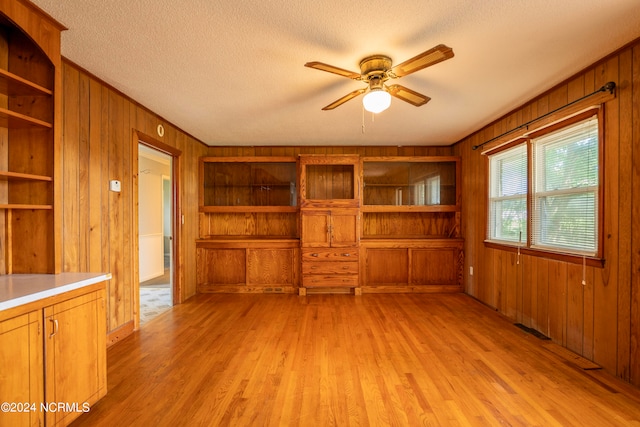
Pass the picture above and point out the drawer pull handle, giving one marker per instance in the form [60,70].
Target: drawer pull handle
[346,254]
[315,255]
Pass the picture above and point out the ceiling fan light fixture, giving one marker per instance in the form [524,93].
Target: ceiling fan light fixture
[376,100]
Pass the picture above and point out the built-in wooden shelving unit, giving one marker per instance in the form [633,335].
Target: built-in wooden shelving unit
[29,84]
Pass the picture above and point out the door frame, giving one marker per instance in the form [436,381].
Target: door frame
[176,221]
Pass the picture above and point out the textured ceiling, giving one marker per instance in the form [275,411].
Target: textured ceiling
[231,72]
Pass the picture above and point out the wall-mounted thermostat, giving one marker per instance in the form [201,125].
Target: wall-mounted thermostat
[114,185]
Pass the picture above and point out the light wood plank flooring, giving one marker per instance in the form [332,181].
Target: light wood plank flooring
[323,360]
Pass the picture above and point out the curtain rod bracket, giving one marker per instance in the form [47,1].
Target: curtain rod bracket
[610,87]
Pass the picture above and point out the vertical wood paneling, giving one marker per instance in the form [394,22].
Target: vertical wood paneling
[557,292]
[116,212]
[601,319]
[574,308]
[83,174]
[635,214]
[70,150]
[589,302]
[625,168]
[99,226]
[606,300]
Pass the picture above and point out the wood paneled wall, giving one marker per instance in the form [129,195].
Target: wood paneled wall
[601,320]
[99,226]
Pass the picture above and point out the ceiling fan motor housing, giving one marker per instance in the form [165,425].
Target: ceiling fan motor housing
[375,67]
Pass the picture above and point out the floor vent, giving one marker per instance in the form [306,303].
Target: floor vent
[532,332]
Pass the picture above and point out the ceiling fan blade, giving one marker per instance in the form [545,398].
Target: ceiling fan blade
[408,95]
[425,59]
[344,99]
[331,69]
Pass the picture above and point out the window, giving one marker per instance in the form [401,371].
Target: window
[508,195]
[565,189]
[433,190]
[544,191]
[420,193]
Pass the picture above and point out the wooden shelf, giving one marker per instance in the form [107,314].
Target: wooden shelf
[410,208]
[25,206]
[30,240]
[11,119]
[242,209]
[14,85]
[257,185]
[6,175]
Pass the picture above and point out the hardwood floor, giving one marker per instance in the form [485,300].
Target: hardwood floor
[321,360]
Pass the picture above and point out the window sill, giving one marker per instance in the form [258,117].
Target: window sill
[557,256]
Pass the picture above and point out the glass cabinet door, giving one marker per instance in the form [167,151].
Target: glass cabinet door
[248,184]
[409,183]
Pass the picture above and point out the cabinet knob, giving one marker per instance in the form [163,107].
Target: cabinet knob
[315,255]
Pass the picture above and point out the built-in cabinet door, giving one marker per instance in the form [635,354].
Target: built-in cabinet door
[345,228]
[315,229]
[75,346]
[21,384]
[435,266]
[272,267]
[336,228]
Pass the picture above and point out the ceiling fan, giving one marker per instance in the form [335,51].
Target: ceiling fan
[377,69]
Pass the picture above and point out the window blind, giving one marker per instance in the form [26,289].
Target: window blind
[508,196]
[565,189]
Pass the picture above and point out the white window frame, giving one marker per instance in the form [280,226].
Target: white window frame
[534,239]
[584,239]
[499,196]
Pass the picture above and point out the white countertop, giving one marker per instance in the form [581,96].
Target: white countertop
[18,289]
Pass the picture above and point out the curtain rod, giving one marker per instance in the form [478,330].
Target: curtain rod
[607,87]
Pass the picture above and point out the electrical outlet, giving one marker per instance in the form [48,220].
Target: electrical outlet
[470,270]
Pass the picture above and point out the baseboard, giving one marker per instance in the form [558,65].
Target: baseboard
[120,333]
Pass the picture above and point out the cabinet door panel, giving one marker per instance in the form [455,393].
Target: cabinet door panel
[345,229]
[221,266]
[270,267]
[434,267]
[387,266]
[315,229]
[75,348]
[21,349]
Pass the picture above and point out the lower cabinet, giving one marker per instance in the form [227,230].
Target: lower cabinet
[57,354]
[22,385]
[75,356]
[248,265]
[412,265]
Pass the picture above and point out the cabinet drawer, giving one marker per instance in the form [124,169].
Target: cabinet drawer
[320,254]
[330,267]
[329,280]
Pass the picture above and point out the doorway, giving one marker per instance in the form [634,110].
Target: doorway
[155,232]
